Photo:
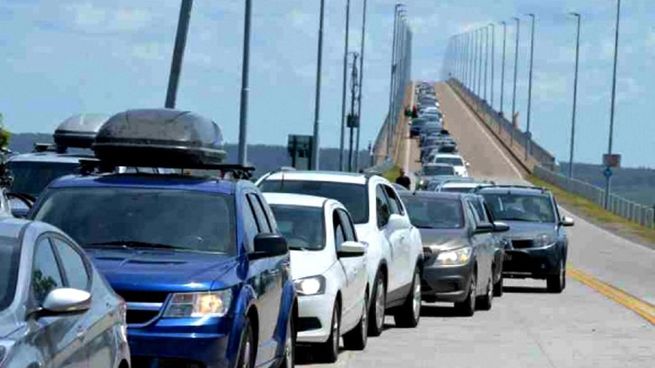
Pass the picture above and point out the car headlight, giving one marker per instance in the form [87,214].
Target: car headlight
[196,305]
[543,240]
[314,285]
[456,257]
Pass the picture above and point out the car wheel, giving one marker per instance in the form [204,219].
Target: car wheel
[485,301]
[357,338]
[467,307]
[378,307]
[557,283]
[409,313]
[329,350]
[289,358]
[498,287]
[246,357]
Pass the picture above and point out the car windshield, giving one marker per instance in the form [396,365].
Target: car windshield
[455,161]
[353,196]
[32,177]
[9,260]
[438,170]
[456,189]
[141,217]
[520,207]
[434,213]
[303,227]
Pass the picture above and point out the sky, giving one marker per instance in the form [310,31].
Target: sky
[64,57]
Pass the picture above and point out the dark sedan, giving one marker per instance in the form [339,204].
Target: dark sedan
[458,248]
[537,240]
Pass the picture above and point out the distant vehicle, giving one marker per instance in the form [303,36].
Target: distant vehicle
[455,160]
[538,241]
[459,250]
[456,186]
[394,258]
[199,260]
[431,171]
[55,308]
[436,182]
[329,270]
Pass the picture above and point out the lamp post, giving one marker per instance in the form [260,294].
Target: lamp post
[343,90]
[317,102]
[516,64]
[486,59]
[361,83]
[390,123]
[243,111]
[480,64]
[608,169]
[575,93]
[528,134]
[493,54]
[178,53]
[502,71]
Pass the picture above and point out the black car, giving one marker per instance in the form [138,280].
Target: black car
[459,249]
[537,240]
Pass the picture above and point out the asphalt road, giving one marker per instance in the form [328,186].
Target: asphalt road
[528,327]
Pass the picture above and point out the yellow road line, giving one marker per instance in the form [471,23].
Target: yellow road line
[642,308]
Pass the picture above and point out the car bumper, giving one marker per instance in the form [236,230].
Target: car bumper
[446,284]
[315,318]
[532,262]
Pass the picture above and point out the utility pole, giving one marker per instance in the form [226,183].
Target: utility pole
[393,84]
[480,65]
[486,59]
[608,169]
[178,53]
[528,135]
[575,93]
[352,118]
[243,110]
[361,84]
[493,54]
[502,72]
[516,64]
[314,164]
[343,90]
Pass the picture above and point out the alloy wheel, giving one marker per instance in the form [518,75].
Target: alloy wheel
[416,303]
[379,305]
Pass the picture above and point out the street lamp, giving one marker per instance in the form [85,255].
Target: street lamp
[361,83]
[493,54]
[243,110]
[343,90]
[502,72]
[486,59]
[398,10]
[480,64]
[528,134]
[608,169]
[178,53]
[317,102]
[516,64]
[575,93]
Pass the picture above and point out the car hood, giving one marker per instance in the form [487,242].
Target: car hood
[526,230]
[305,263]
[444,238]
[130,269]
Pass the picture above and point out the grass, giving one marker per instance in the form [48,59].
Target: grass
[392,174]
[597,214]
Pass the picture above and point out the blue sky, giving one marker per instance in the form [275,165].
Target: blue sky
[69,56]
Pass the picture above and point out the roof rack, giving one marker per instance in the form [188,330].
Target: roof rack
[94,166]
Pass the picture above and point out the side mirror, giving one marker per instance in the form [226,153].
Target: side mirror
[64,301]
[351,249]
[484,228]
[397,222]
[500,227]
[269,245]
[566,221]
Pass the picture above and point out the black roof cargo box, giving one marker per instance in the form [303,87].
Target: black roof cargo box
[78,131]
[160,138]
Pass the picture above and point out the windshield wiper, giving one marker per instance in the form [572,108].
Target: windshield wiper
[132,244]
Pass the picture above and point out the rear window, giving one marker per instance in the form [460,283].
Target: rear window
[32,177]
[303,227]
[438,170]
[521,207]
[434,213]
[455,161]
[353,196]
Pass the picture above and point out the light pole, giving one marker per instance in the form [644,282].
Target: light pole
[516,64]
[317,103]
[243,111]
[575,93]
[354,81]
[608,169]
[480,64]
[178,53]
[343,90]
[361,83]
[390,123]
[528,134]
[502,71]
[486,59]
[493,54]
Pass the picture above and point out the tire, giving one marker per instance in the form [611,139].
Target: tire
[485,302]
[498,287]
[408,314]
[378,307]
[329,350]
[357,338]
[289,358]
[247,348]
[557,283]
[467,307]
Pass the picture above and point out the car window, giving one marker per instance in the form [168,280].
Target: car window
[438,170]
[479,210]
[394,201]
[249,224]
[269,215]
[260,216]
[9,264]
[382,206]
[303,227]
[32,177]
[473,212]
[434,213]
[346,222]
[521,207]
[45,273]
[339,235]
[76,271]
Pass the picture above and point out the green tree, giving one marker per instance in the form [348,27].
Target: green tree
[4,134]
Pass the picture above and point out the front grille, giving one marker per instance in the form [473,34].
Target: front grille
[139,317]
[142,296]
[524,243]
[142,306]
[146,362]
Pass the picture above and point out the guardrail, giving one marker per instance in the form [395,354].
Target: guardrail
[629,210]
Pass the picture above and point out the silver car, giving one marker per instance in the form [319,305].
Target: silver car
[55,308]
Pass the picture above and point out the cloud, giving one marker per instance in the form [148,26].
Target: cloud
[95,19]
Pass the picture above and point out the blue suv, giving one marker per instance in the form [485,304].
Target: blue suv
[199,260]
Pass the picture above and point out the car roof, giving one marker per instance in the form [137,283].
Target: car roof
[430,194]
[447,155]
[160,181]
[431,164]
[323,176]
[510,189]
[49,157]
[292,199]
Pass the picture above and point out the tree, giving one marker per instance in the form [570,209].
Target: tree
[4,134]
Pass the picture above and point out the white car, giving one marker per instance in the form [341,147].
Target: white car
[461,166]
[394,256]
[328,267]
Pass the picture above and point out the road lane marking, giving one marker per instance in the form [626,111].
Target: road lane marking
[640,307]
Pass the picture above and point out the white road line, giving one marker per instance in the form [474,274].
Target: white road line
[484,130]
